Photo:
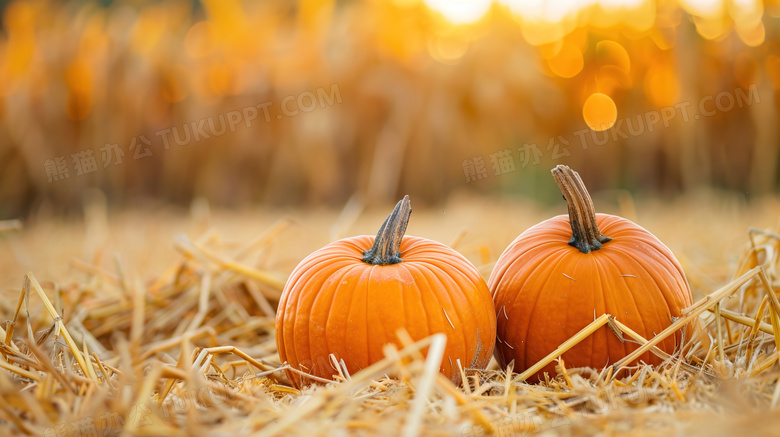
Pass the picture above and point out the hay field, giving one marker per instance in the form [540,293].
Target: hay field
[159,321]
[165,165]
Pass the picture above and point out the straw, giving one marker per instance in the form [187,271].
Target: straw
[193,349]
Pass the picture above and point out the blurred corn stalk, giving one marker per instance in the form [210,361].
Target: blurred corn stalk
[423,92]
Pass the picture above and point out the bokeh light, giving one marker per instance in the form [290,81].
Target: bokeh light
[567,62]
[599,111]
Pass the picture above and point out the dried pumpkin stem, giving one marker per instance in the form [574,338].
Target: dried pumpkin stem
[582,215]
[387,245]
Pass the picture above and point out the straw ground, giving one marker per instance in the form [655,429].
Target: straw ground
[127,326]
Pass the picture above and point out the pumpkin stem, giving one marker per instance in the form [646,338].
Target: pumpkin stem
[387,245]
[582,215]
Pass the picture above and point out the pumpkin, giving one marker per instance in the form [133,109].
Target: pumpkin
[351,297]
[559,275]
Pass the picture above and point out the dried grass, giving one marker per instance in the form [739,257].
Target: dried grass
[191,351]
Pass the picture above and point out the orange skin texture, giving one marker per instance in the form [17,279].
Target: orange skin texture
[538,307]
[334,303]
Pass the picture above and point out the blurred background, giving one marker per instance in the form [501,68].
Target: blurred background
[314,102]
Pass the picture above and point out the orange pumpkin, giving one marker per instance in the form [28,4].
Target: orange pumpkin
[351,297]
[561,274]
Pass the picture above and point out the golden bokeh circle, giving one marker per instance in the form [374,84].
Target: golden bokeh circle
[599,111]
